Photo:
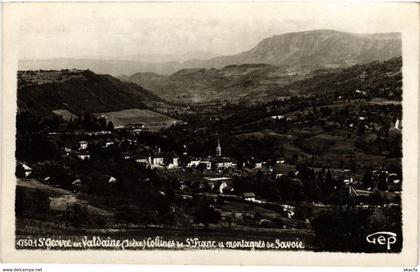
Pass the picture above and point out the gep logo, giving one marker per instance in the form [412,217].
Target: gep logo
[382,238]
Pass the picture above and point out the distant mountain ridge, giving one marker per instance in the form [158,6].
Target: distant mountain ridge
[316,48]
[117,66]
[230,83]
[259,83]
[326,48]
[270,65]
[100,66]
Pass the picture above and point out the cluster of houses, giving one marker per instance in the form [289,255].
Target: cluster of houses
[391,180]
[159,161]
[210,163]
[170,161]
[166,160]
[281,117]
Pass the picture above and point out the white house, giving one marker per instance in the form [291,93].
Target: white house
[83,145]
[67,150]
[398,124]
[249,196]
[277,117]
[278,176]
[83,156]
[193,163]
[219,182]
[108,143]
[222,186]
[77,183]
[112,180]
[27,169]
[348,181]
[174,163]
[142,160]
[225,163]
[281,161]
[360,92]
[290,210]
[156,162]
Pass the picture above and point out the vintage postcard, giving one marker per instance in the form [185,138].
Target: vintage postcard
[251,133]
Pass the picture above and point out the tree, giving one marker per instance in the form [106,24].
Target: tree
[367,179]
[382,182]
[110,126]
[87,121]
[229,220]
[345,229]
[31,203]
[102,123]
[338,230]
[329,182]
[201,167]
[20,171]
[206,214]
[77,215]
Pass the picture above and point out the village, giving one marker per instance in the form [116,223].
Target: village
[287,168]
[213,127]
[213,176]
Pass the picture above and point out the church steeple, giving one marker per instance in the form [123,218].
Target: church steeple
[218,149]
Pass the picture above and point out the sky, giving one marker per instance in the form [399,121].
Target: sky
[115,30]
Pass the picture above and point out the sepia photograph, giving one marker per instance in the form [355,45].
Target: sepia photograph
[212,127]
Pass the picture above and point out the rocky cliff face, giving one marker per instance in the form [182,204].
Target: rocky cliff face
[319,48]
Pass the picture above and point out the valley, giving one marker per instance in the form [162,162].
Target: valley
[292,139]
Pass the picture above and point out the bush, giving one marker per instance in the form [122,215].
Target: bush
[206,214]
[346,229]
[77,215]
[31,203]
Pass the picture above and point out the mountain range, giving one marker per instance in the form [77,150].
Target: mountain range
[259,83]
[76,91]
[285,65]
[316,49]
[230,83]
[270,66]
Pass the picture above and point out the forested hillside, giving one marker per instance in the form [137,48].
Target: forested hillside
[78,91]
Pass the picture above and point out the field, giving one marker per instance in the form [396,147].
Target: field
[152,120]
